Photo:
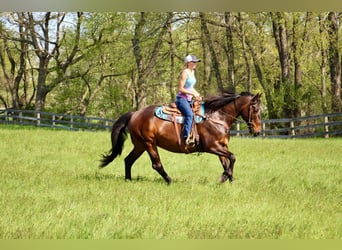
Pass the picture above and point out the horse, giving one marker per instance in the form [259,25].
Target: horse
[148,132]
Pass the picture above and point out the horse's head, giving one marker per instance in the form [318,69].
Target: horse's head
[231,105]
[251,115]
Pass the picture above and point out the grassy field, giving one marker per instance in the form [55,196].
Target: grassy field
[51,188]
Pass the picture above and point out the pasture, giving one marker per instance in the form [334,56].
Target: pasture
[51,188]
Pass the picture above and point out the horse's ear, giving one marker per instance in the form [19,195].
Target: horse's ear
[256,98]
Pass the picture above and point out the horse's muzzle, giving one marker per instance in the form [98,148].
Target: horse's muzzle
[256,133]
[253,131]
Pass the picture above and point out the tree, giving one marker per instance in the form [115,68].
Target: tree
[230,51]
[242,37]
[104,60]
[146,56]
[104,70]
[212,51]
[258,43]
[88,63]
[323,53]
[279,24]
[334,61]
[13,60]
[45,37]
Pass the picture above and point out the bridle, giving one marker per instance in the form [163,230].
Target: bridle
[249,123]
[236,118]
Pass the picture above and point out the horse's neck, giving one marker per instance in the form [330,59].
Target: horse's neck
[225,115]
[237,107]
[231,113]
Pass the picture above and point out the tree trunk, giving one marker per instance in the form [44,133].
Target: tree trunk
[297,45]
[272,112]
[172,61]
[323,51]
[14,75]
[42,89]
[214,59]
[280,35]
[205,86]
[230,52]
[242,36]
[334,62]
[281,40]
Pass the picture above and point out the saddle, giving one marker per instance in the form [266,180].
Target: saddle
[171,108]
[170,112]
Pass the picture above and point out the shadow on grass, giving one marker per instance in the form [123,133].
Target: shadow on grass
[98,176]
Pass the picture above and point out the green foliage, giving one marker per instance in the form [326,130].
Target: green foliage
[51,188]
[103,78]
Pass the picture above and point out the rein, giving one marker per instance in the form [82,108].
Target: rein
[219,122]
[231,116]
[237,119]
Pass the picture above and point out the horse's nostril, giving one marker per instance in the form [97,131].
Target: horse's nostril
[256,133]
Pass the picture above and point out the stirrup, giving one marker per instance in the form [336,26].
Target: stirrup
[189,141]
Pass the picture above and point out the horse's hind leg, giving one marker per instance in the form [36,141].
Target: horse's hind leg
[156,163]
[130,159]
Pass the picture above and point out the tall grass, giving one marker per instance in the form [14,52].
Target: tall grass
[51,188]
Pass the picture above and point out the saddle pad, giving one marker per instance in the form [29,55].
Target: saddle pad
[179,119]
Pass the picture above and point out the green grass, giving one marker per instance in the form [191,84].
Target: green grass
[51,188]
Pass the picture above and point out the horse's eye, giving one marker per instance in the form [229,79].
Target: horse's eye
[255,108]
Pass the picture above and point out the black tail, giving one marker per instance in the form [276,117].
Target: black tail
[119,134]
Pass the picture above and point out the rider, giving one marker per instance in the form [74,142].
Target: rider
[185,94]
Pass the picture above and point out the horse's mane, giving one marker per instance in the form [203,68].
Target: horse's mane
[214,103]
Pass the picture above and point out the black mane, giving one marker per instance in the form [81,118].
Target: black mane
[214,103]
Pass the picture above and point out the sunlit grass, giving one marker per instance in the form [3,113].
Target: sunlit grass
[51,187]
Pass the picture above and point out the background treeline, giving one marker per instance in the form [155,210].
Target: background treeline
[104,64]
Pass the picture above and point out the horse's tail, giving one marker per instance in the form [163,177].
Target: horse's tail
[118,136]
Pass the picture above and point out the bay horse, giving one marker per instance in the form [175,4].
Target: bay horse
[149,132]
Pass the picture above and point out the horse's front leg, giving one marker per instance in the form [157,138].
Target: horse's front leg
[227,162]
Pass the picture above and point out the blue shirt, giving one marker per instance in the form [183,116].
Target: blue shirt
[188,85]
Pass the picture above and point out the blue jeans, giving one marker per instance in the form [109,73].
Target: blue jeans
[184,106]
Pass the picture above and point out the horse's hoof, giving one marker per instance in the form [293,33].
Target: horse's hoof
[169,181]
[223,179]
